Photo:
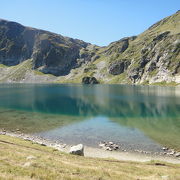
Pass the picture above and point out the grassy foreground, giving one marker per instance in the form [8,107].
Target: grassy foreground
[21,159]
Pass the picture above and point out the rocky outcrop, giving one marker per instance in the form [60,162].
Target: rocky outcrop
[119,46]
[87,54]
[89,80]
[118,67]
[14,47]
[51,53]
[77,150]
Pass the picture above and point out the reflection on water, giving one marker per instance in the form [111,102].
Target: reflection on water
[153,111]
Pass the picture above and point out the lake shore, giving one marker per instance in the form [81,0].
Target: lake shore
[24,159]
[96,152]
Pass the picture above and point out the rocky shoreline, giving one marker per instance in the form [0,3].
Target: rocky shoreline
[111,146]
[106,149]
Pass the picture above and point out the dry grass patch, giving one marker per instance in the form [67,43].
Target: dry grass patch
[21,159]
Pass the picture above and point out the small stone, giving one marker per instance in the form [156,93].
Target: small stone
[42,144]
[177,154]
[102,145]
[27,164]
[30,157]
[171,153]
[27,139]
[111,143]
[164,148]
[3,133]
[165,177]
[115,147]
[63,146]
[108,149]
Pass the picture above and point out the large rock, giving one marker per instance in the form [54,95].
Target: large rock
[161,36]
[89,80]
[77,150]
[118,67]
[135,74]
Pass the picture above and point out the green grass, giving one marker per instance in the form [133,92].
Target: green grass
[164,83]
[118,79]
[3,66]
[50,164]
[17,73]
[39,73]
[36,72]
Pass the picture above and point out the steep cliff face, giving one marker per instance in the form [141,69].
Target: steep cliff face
[51,53]
[149,58]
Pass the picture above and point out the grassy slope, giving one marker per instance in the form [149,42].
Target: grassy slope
[51,164]
[133,52]
[18,72]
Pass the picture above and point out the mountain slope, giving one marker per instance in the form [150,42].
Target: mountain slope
[149,58]
[51,53]
[153,56]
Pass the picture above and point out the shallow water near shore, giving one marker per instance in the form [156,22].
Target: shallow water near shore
[135,117]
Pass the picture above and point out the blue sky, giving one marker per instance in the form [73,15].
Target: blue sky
[96,21]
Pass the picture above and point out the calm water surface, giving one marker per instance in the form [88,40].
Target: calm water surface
[136,117]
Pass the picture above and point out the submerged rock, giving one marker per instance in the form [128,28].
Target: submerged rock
[77,150]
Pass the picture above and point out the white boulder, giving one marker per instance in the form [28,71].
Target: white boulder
[77,150]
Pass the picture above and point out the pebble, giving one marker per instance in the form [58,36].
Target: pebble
[108,149]
[171,153]
[3,133]
[27,164]
[102,145]
[110,146]
[165,177]
[27,139]
[64,145]
[31,157]
[177,154]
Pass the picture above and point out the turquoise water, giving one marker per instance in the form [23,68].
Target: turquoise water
[133,116]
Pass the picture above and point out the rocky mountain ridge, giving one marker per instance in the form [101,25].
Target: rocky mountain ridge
[32,55]
[50,52]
